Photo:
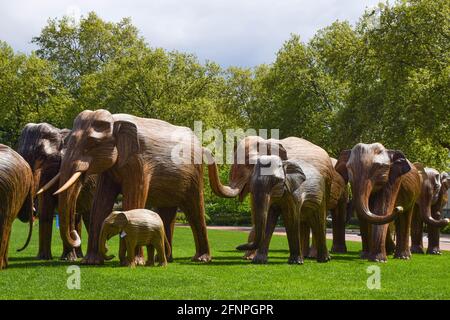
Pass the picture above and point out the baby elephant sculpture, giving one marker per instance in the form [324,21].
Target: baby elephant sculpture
[139,227]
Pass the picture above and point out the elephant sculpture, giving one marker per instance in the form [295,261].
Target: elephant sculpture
[16,197]
[316,197]
[145,161]
[43,146]
[385,186]
[432,199]
[139,227]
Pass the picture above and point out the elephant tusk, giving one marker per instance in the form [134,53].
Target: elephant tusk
[69,182]
[48,185]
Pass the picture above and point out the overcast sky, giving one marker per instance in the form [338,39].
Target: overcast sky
[230,32]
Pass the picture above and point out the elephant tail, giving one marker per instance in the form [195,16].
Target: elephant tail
[167,246]
[27,208]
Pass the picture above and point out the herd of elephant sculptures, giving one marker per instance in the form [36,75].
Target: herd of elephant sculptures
[80,173]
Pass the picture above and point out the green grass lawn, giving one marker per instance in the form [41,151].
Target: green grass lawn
[226,277]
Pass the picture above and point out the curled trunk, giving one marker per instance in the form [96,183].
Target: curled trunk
[103,249]
[425,210]
[27,209]
[361,195]
[67,208]
[218,188]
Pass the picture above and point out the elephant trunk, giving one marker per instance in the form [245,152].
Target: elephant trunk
[361,194]
[103,249]
[260,207]
[67,208]
[28,208]
[425,209]
[217,187]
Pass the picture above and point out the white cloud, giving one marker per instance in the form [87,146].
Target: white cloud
[230,32]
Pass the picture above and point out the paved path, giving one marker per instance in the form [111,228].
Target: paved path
[350,235]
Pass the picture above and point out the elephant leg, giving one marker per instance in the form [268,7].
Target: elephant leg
[150,256]
[106,193]
[416,232]
[364,229]
[135,193]
[262,252]
[46,207]
[195,214]
[338,225]
[5,234]
[122,252]
[293,234]
[304,238]
[378,243]
[390,244]
[168,216]
[131,257]
[250,254]
[433,240]
[317,221]
[402,230]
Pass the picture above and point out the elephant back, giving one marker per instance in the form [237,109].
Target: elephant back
[15,180]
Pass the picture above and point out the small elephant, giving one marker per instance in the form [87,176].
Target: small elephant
[139,227]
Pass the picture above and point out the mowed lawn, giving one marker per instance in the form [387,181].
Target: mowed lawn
[226,277]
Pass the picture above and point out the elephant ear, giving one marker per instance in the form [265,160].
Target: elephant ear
[127,141]
[294,176]
[341,164]
[419,166]
[277,149]
[65,135]
[120,220]
[445,180]
[400,165]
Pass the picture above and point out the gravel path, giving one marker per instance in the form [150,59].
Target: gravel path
[350,235]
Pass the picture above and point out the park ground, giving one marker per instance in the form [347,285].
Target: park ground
[228,276]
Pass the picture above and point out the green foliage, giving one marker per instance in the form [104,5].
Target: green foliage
[222,211]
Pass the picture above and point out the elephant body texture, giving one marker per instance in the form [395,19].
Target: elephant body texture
[16,199]
[150,162]
[138,227]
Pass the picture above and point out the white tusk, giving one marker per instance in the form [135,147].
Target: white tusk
[69,183]
[48,185]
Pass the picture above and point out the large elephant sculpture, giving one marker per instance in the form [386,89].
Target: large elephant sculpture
[138,158]
[16,197]
[385,187]
[42,146]
[428,208]
[316,198]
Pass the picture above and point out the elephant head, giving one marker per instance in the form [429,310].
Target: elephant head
[41,145]
[374,173]
[244,160]
[271,178]
[434,188]
[112,225]
[97,143]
